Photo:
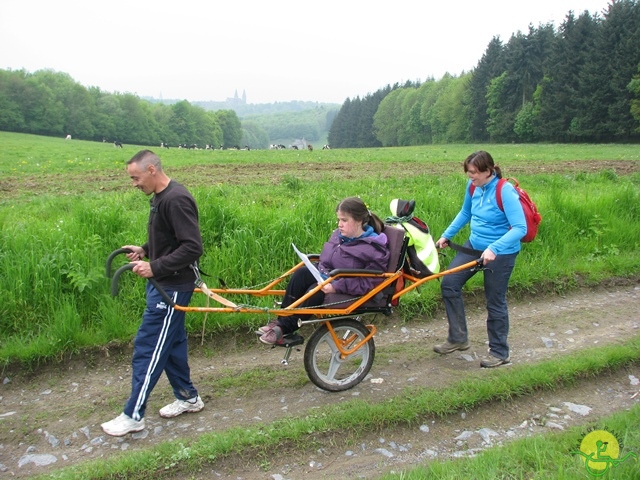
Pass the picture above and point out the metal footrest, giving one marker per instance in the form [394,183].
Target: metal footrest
[289,342]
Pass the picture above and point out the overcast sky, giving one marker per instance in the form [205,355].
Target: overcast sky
[274,50]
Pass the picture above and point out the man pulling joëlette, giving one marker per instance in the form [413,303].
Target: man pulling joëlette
[173,248]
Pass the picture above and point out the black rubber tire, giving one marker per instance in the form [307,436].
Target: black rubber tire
[322,360]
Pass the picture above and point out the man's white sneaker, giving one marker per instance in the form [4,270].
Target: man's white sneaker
[182,406]
[122,425]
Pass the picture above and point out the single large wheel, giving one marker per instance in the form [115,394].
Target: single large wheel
[327,367]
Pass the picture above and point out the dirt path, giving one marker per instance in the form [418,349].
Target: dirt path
[55,413]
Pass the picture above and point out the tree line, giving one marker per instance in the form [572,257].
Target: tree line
[53,104]
[579,83]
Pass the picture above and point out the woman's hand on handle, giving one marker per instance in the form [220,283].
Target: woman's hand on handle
[488,256]
[442,242]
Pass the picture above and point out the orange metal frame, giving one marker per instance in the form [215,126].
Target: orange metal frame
[323,313]
[346,341]
[323,310]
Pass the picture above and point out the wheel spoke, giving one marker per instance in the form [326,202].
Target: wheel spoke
[334,364]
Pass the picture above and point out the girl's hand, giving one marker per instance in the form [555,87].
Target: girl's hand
[328,288]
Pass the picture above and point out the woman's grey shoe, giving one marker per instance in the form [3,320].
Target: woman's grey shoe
[447,347]
[494,362]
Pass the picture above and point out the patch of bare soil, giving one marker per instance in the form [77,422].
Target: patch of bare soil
[51,418]
[273,174]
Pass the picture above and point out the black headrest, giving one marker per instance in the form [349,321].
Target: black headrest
[402,208]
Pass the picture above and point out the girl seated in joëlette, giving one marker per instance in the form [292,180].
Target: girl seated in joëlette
[357,243]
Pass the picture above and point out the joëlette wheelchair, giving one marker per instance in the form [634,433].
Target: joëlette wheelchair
[341,349]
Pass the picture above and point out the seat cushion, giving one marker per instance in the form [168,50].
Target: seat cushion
[343,301]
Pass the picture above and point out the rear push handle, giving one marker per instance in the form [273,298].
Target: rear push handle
[129,266]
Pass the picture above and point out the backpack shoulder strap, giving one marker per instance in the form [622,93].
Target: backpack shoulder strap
[501,183]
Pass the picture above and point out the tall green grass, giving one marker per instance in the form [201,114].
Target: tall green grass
[53,247]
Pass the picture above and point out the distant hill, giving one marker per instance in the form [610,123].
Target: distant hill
[310,125]
[280,122]
[244,109]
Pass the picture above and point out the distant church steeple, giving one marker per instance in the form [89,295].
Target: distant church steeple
[236,100]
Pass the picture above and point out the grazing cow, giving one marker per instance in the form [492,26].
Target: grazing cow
[164,145]
[295,147]
[326,147]
[310,147]
[68,137]
[117,144]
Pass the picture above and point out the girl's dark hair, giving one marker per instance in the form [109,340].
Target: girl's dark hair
[483,161]
[356,209]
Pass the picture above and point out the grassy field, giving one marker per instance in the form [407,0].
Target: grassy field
[67,204]
[25,155]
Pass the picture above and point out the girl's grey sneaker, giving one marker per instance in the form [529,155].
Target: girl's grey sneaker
[273,336]
[122,425]
[182,406]
[262,330]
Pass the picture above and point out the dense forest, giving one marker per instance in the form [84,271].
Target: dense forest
[52,103]
[580,83]
[577,83]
